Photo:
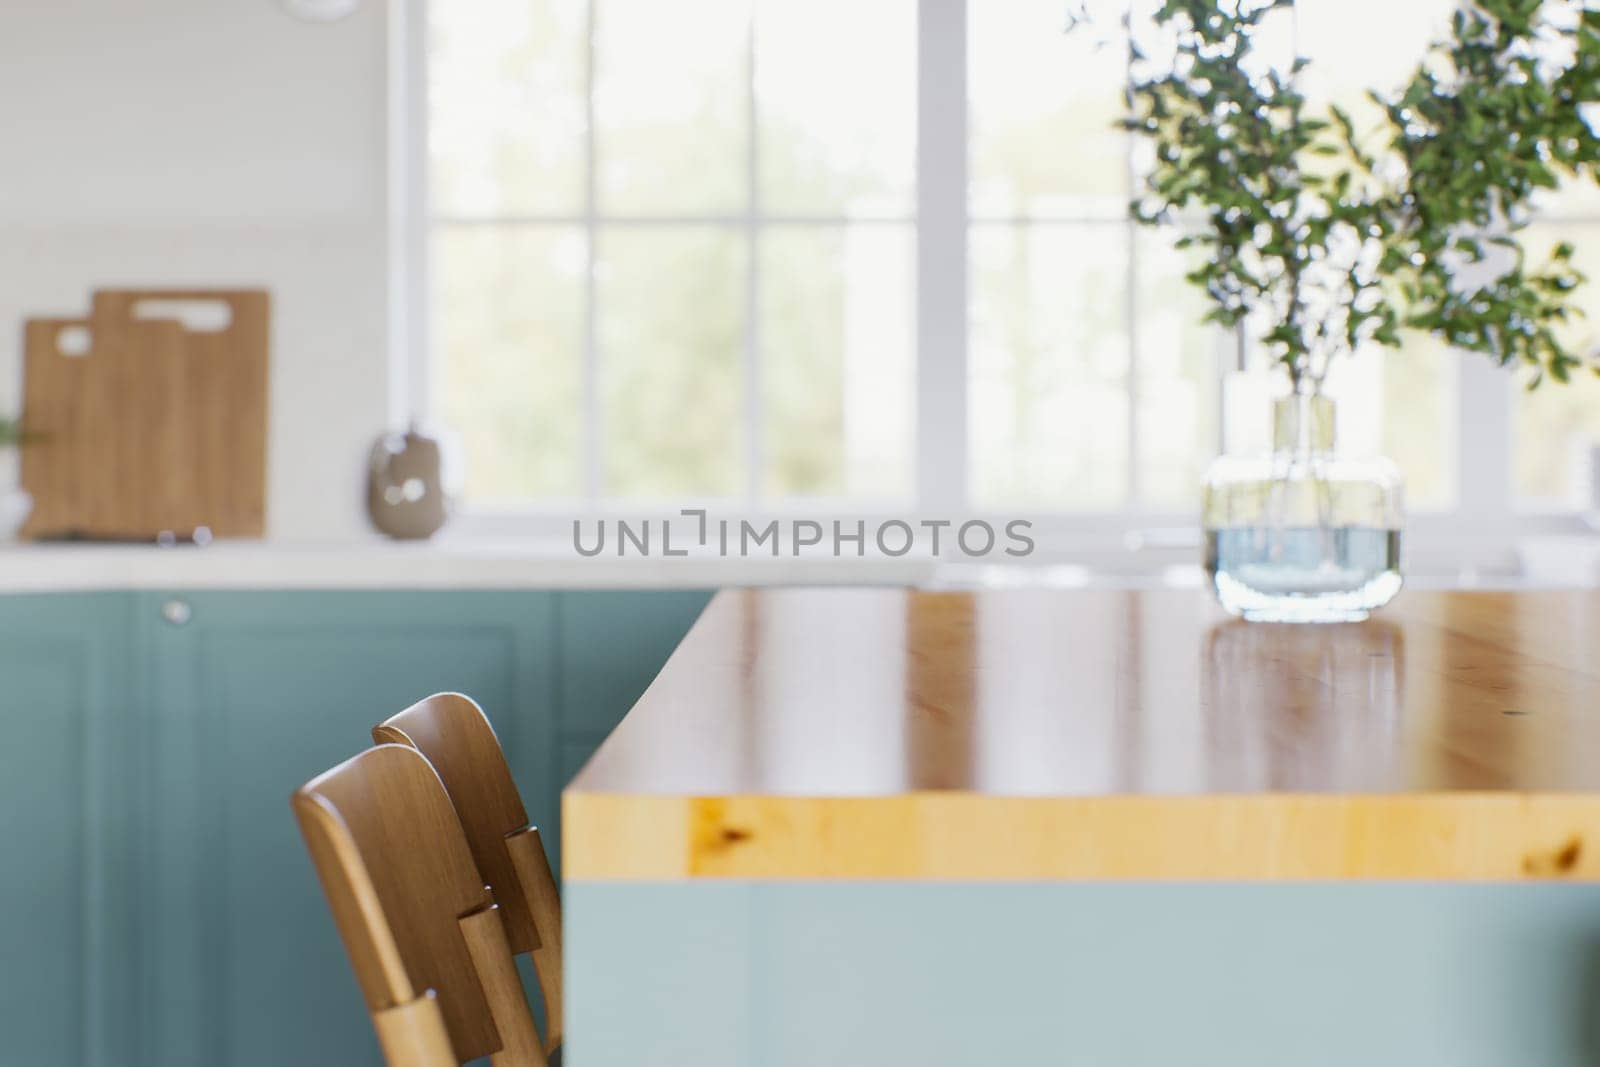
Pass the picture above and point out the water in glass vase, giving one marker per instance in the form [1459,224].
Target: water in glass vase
[1302,533]
[1303,574]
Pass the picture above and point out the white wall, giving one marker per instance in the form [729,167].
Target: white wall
[211,142]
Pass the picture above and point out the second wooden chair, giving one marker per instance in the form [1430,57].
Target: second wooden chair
[452,731]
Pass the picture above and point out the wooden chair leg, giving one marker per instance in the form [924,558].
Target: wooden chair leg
[532,865]
[485,935]
[413,1034]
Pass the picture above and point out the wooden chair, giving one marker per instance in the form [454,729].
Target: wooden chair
[423,933]
[453,732]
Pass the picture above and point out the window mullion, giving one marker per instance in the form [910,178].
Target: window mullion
[941,431]
[753,396]
[593,427]
[1483,458]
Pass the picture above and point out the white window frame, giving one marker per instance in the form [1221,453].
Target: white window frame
[1479,534]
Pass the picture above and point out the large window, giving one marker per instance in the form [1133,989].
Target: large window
[774,253]
[674,247]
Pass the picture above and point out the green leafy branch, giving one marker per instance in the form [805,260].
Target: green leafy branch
[1331,238]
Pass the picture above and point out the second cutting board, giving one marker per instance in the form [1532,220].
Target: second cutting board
[156,427]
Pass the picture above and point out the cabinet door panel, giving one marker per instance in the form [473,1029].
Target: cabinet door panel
[298,701]
[272,689]
[65,932]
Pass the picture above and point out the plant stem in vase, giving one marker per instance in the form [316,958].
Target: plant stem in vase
[1301,534]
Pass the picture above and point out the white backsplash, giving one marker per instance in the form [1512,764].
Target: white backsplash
[212,143]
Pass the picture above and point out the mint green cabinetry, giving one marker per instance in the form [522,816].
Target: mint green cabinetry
[724,973]
[67,828]
[156,905]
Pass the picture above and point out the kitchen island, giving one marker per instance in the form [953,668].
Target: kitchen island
[1097,827]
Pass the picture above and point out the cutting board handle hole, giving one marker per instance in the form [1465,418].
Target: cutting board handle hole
[197,316]
[74,342]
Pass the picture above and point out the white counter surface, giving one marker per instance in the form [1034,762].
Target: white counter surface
[379,564]
[464,563]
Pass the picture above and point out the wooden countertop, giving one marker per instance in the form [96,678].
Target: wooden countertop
[1104,734]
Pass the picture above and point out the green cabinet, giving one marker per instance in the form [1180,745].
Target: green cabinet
[67,815]
[257,693]
[160,900]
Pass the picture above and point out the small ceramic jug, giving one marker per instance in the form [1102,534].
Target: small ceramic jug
[405,488]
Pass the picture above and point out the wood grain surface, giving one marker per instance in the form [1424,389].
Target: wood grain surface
[455,735]
[1105,734]
[156,428]
[400,880]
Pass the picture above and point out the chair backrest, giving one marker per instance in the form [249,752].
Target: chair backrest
[415,915]
[451,730]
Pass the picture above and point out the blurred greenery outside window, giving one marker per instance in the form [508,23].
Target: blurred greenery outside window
[674,257]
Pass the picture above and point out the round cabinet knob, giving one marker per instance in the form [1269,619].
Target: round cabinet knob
[177,612]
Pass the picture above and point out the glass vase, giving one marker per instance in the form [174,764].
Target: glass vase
[1301,534]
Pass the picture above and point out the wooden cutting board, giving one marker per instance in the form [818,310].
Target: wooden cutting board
[156,428]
